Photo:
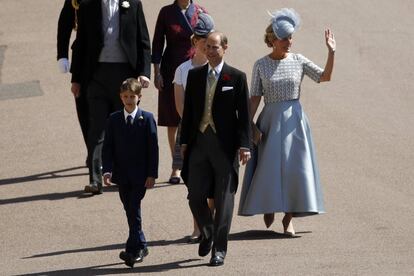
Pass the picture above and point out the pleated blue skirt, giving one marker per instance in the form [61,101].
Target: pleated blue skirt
[283,174]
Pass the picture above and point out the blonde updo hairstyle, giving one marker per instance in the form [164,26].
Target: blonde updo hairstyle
[269,36]
[195,38]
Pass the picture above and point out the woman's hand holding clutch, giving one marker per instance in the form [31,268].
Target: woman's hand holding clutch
[256,134]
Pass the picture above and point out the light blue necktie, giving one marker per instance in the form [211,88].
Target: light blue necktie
[211,78]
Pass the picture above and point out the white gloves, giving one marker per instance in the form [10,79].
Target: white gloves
[64,65]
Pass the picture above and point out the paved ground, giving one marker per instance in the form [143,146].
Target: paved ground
[363,126]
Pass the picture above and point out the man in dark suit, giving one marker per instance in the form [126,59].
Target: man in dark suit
[215,126]
[66,23]
[130,159]
[112,44]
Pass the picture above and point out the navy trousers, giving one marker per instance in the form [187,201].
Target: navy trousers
[131,196]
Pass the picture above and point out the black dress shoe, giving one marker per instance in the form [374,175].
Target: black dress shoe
[205,246]
[93,188]
[216,260]
[131,260]
[123,255]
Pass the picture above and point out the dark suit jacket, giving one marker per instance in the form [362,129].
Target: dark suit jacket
[130,154]
[230,110]
[133,36]
[66,23]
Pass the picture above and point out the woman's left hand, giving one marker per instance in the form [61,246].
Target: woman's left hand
[244,155]
[330,40]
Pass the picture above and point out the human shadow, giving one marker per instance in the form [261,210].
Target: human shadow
[58,196]
[60,174]
[79,250]
[118,246]
[79,194]
[44,176]
[262,235]
[17,90]
[108,270]
[165,184]
[51,196]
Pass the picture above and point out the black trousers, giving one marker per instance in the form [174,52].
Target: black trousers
[211,172]
[82,111]
[131,196]
[103,99]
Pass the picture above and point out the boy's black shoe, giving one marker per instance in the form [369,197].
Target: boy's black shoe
[131,260]
[123,256]
[93,188]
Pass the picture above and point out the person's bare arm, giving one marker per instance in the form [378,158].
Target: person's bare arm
[331,44]
[179,98]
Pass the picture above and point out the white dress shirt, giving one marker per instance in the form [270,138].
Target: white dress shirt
[133,114]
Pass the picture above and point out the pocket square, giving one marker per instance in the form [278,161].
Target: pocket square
[226,88]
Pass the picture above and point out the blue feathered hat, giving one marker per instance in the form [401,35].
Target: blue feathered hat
[284,22]
[204,25]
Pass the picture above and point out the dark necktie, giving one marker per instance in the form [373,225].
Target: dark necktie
[129,121]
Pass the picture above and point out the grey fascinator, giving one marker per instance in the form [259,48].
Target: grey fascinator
[204,25]
[284,22]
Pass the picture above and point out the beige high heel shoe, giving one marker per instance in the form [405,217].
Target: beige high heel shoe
[288,227]
[269,219]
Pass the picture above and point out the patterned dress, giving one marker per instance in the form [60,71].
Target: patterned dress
[283,174]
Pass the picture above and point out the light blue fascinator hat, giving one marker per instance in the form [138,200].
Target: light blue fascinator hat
[284,22]
[204,25]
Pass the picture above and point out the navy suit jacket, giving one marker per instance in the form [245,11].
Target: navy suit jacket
[130,152]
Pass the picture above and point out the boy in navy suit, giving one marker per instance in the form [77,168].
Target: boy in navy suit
[130,159]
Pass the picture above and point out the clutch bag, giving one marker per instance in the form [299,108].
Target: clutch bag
[256,134]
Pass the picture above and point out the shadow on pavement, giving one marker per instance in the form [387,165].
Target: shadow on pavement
[165,184]
[79,194]
[119,246]
[246,235]
[262,235]
[91,249]
[52,196]
[104,270]
[56,196]
[43,176]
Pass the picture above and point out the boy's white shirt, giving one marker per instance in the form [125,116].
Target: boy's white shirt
[133,114]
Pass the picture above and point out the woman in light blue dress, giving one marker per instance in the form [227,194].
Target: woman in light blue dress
[283,175]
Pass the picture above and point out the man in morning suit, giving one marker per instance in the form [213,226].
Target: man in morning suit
[215,127]
[112,44]
[66,23]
